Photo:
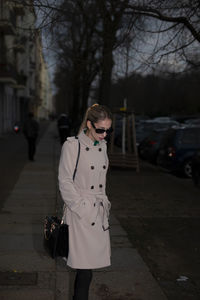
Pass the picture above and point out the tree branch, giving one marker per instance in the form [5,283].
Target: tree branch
[153,13]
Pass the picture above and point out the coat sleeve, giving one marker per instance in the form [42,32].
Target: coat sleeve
[67,163]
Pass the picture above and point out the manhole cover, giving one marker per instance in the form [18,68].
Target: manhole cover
[18,278]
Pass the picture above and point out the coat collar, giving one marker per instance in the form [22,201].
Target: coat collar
[87,141]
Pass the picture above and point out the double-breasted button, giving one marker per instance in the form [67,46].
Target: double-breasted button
[87,149]
[104,167]
[100,185]
[100,149]
[92,187]
[92,167]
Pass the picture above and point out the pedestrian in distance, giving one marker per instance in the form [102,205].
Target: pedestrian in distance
[31,130]
[85,200]
[63,124]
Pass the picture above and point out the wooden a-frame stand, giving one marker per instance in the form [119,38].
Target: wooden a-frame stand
[126,156]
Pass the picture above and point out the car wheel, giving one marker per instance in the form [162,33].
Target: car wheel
[187,168]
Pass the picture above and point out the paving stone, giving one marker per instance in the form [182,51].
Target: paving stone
[21,242]
[129,286]
[24,294]
[120,242]
[64,285]
[21,229]
[18,278]
[27,261]
[25,218]
[116,229]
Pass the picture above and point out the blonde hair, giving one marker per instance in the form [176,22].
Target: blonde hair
[94,114]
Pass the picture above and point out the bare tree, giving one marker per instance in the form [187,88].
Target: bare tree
[78,47]
[177,22]
[111,14]
[89,32]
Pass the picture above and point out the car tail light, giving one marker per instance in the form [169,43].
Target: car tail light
[171,152]
[16,128]
[152,143]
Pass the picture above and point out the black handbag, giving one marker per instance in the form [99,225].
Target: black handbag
[56,235]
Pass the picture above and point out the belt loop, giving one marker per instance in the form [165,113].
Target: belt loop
[105,229]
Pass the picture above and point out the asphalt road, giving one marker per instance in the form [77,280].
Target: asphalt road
[161,214]
[13,157]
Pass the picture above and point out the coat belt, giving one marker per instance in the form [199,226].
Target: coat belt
[100,201]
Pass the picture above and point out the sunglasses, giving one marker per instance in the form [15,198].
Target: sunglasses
[101,130]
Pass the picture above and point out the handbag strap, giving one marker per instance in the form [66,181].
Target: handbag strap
[77,159]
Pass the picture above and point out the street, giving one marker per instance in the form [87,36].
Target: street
[13,150]
[160,213]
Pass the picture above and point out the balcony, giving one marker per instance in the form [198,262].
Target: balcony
[32,65]
[7,21]
[19,9]
[19,44]
[32,92]
[21,81]
[8,73]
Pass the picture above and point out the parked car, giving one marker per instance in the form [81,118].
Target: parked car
[162,119]
[196,168]
[148,149]
[194,121]
[177,149]
[145,128]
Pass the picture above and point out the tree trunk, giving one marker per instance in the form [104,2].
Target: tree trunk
[106,75]
[76,95]
[85,96]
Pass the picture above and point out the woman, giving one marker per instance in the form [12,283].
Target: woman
[87,204]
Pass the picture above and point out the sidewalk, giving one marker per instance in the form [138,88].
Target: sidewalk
[26,272]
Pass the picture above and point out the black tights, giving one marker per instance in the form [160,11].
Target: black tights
[82,284]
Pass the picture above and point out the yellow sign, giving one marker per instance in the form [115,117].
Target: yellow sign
[122,108]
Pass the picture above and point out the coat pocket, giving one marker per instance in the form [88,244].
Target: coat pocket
[90,209]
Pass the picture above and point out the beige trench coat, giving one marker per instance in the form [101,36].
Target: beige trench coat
[87,206]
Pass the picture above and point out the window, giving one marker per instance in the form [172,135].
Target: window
[191,136]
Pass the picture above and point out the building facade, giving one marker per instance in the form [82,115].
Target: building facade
[21,65]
